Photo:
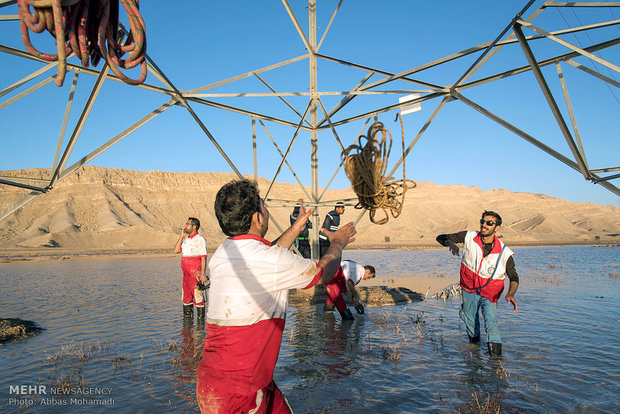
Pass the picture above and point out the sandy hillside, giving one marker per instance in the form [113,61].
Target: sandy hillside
[101,209]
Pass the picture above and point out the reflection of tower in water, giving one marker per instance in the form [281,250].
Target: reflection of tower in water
[324,347]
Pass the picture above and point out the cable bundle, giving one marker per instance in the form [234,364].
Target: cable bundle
[366,166]
[87,29]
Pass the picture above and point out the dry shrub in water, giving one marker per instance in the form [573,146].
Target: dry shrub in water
[390,353]
[69,381]
[78,351]
[488,406]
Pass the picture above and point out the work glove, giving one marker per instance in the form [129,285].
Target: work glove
[203,286]
[359,308]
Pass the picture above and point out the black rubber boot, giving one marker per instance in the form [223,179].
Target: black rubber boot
[474,339]
[328,308]
[495,349]
[347,315]
[200,312]
[188,311]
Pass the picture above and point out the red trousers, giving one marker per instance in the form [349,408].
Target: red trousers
[191,272]
[334,291]
[266,401]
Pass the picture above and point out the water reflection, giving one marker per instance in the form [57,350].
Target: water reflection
[560,350]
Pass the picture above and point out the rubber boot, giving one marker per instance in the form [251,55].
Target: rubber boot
[474,339]
[328,308]
[347,315]
[200,312]
[188,311]
[495,349]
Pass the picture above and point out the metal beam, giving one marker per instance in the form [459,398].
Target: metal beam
[80,123]
[33,75]
[19,204]
[64,122]
[279,95]
[254,150]
[82,69]
[611,177]
[391,76]
[341,162]
[542,63]
[474,67]
[571,113]
[582,4]
[15,178]
[343,102]
[116,139]
[551,101]
[251,73]
[244,112]
[390,107]
[158,73]
[286,161]
[419,135]
[300,31]
[571,46]
[530,139]
[593,73]
[288,150]
[22,185]
[275,94]
[469,51]
[600,170]
[314,141]
[26,92]
[329,25]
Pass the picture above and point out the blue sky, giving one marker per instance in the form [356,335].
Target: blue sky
[200,42]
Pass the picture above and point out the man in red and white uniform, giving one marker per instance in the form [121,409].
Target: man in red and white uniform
[485,265]
[349,275]
[248,298]
[193,263]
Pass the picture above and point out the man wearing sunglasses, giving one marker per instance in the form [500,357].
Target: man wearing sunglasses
[485,265]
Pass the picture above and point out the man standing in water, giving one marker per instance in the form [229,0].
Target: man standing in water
[331,223]
[193,263]
[486,263]
[303,240]
[248,299]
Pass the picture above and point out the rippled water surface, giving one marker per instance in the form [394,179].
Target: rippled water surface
[115,326]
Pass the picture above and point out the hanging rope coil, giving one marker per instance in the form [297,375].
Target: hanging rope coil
[366,164]
[88,29]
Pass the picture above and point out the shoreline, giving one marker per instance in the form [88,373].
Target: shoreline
[58,254]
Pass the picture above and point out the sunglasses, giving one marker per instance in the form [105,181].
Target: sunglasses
[488,222]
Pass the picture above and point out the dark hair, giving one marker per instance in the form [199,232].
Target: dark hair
[195,222]
[371,268]
[493,214]
[235,203]
[339,204]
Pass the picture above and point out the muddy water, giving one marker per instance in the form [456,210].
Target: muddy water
[113,327]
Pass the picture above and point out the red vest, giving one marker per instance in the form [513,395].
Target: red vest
[477,269]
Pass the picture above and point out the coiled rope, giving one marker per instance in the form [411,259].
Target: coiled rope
[366,164]
[86,28]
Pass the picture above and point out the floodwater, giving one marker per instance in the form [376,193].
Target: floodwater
[114,328]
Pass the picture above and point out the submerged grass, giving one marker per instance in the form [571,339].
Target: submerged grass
[489,406]
[81,352]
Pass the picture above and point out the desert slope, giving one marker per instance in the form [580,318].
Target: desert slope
[104,209]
